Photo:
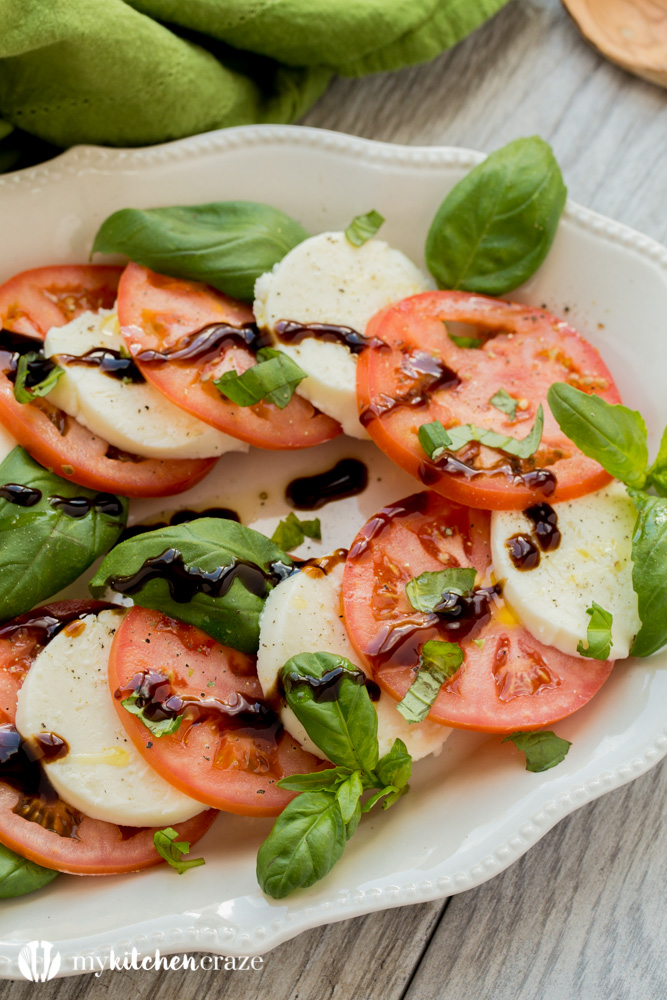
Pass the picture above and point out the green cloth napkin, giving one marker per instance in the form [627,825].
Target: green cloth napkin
[136,72]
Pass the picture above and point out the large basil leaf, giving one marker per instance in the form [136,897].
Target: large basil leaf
[227,244]
[206,544]
[610,433]
[43,549]
[657,474]
[649,572]
[345,727]
[306,841]
[19,876]
[494,229]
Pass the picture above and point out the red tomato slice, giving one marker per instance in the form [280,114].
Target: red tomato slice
[32,303]
[525,350]
[232,765]
[511,681]
[28,823]
[156,312]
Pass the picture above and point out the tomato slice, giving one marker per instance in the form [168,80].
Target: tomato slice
[509,680]
[32,303]
[30,819]
[422,375]
[227,761]
[156,312]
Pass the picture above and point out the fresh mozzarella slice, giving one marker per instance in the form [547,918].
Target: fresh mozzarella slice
[7,443]
[303,615]
[66,692]
[592,563]
[134,417]
[326,279]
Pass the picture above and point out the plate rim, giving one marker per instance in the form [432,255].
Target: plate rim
[176,933]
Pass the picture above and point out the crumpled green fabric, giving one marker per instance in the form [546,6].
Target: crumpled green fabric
[136,72]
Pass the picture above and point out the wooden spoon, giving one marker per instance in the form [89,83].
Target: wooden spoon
[632,33]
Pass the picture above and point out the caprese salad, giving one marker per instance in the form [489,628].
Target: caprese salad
[210,669]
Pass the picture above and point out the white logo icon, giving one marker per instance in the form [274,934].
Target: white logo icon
[38,962]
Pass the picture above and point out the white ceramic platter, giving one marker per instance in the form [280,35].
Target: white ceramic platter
[474,810]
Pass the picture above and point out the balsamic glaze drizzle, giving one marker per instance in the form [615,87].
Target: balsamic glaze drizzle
[348,478]
[22,496]
[289,331]
[327,687]
[524,549]
[109,361]
[205,344]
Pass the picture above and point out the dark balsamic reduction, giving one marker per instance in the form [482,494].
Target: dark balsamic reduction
[289,331]
[109,361]
[523,551]
[44,623]
[22,496]
[105,503]
[545,532]
[348,478]
[543,480]
[180,517]
[415,504]
[322,565]
[459,613]
[206,344]
[20,768]
[184,582]
[429,375]
[327,687]
[154,694]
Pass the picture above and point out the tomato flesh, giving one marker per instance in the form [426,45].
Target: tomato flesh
[524,351]
[509,680]
[29,822]
[32,303]
[211,758]
[156,312]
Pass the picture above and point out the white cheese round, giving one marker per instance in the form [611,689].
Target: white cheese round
[66,692]
[134,417]
[303,614]
[326,279]
[592,563]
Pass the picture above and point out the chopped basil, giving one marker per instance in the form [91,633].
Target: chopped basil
[291,531]
[471,342]
[598,634]
[543,749]
[160,727]
[274,379]
[504,402]
[172,850]
[426,591]
[438,662]
[363,227]
[227,244]
[34,366]
[433,438]
[495,227]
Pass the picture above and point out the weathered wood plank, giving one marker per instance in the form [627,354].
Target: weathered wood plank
[582,915]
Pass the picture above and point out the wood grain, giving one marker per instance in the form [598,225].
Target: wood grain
[582,914]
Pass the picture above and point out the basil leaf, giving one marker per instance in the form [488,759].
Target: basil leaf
[363,227]
[316,780]
[432,438]
[291,531]
[504,402]
[495,227]
[395,768]
[610,433]
[160,727]
[306,841]
[598,634]
[43,549]
[274,379]
[438,662]
[227,244]
[207,544]
[649,572]
[348,795]
[542,749]
[656,476]
[25,387]
[390,794]
[345,728]
[353,822]
[426,591]
[18,876]
[471,342]
[172,850]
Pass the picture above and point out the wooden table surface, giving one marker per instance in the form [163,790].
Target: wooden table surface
[582,915]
